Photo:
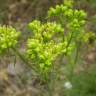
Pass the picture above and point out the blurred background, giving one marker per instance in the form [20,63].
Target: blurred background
[19,13]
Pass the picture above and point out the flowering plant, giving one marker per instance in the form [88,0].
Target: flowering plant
[53,49]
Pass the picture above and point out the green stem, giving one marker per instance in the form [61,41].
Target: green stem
[70,40]
[75,61]
[62,56]
[24,59]
[77,52]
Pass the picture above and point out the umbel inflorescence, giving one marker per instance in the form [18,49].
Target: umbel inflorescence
[73,19]
[43,48]
[8,38]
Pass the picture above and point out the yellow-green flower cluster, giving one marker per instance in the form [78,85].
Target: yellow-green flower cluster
[8,38]
[43,49]
[45,32]
[73,19]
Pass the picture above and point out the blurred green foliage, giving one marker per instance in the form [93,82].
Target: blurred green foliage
[83,84]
